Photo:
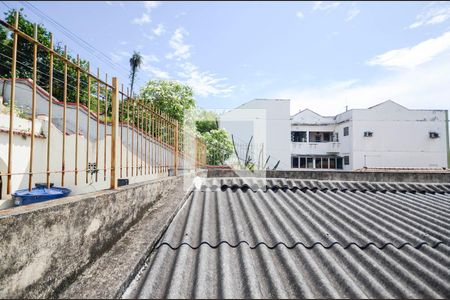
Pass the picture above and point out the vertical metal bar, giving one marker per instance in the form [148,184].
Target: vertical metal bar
[121,111]
[164,140]
[105,125]
[98,125]
[142,136]
[153,139]
[11,102]
[63,168]
[128,126]
[160,141]
[50,102]
[77,119]
[132,139]
[114,132]
[175,152]
[137,137]
[88,135]
[165,143]
[33,109]
[146,139]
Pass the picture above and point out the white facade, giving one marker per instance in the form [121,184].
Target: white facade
[264,120]
[386,135]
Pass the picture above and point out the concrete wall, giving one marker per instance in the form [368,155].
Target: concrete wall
[44,246]
[437,177]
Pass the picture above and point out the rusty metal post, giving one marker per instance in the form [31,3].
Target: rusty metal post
[11,102]
[175,152]
[33,108]
[105,125]
[88,135]
[114,133]
[50,102]
[98,125]
[76,118]
[63,167]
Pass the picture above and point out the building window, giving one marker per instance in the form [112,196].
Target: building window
[309,162]
[346,160]
[302,162]
[318,163]
[339,163]
[333,163]
[345,131]
[434,135]
[298,136]
[325,163]
[295,162]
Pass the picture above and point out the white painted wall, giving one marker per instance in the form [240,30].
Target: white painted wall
[268,121]
[400,136]
[21,148]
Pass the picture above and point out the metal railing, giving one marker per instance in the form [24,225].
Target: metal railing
[143,140]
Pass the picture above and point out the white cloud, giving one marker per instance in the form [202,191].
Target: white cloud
[108,2]
[149,5]
[180,49]
[158,30]
[411,57]
[434,15]
[299,15]
[150,69]
[204,83]
[144,19]
[325,5]
[352,13]
[426,87]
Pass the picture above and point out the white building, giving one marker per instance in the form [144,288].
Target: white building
[267,122]
[386,135]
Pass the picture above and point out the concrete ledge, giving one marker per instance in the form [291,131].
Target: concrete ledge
[435,177]
[45,246]
[110,275]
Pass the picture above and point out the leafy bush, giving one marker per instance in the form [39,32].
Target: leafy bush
[218,146]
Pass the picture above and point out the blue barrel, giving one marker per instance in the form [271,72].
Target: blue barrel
[39,194]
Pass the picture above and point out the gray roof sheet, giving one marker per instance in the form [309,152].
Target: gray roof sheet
[351,241]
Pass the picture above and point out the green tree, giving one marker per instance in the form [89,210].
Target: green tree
[171,97]
[218,146]
[206,121]
[135,63]
[24,66]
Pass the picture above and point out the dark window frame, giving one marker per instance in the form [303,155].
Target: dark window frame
[296,136]
[346,131]
[346,160]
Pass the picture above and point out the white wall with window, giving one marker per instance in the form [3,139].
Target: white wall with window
[383,136]
[386,135]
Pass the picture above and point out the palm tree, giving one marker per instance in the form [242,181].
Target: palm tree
[135,63]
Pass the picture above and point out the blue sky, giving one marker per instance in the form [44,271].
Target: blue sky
[321,55]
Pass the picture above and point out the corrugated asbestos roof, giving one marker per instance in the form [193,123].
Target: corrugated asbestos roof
[295,238]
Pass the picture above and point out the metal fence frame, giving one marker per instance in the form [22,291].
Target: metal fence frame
[148,125]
